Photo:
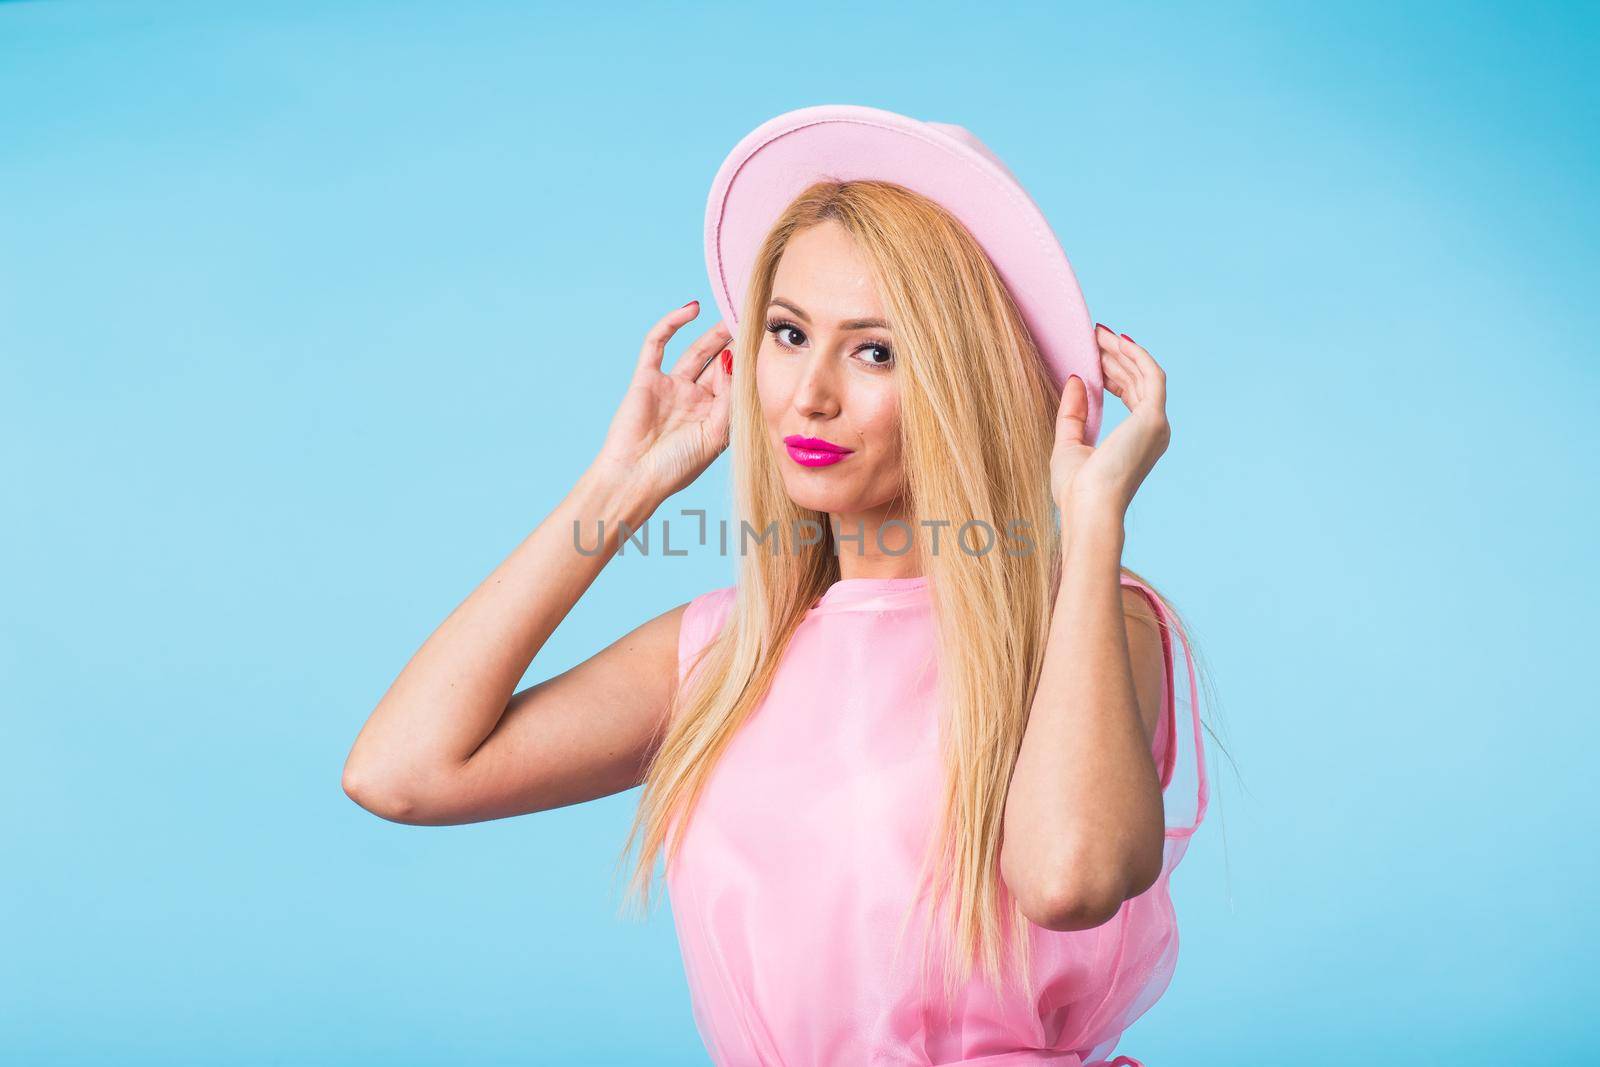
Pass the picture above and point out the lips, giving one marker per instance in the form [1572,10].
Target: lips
[814,451]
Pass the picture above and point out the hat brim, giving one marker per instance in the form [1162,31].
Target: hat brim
[770,166]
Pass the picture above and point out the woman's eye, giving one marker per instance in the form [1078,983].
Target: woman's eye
[778,329]
[887,356]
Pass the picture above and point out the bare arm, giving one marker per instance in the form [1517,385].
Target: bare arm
[449,742]
[1084,824]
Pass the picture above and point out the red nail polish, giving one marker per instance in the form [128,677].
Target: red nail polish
[690,302]
[1125,337]
[727,361]
[1102,326]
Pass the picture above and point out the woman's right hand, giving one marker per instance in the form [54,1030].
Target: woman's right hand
[670,426]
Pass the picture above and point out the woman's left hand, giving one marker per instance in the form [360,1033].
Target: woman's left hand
[1105,476]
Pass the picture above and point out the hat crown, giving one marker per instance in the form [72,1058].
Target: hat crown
[968,138]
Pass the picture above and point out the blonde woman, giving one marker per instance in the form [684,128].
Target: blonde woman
[910,775]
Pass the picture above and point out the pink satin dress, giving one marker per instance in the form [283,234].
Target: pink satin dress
[803,854]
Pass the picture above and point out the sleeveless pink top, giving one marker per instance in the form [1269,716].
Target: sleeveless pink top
[805,848]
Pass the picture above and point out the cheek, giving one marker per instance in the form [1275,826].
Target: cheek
[877,418]
[772,391]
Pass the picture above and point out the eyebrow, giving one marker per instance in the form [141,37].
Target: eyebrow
[848,324]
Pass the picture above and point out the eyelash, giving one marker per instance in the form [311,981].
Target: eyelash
[776,326]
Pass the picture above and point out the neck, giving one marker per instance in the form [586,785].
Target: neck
[877,544]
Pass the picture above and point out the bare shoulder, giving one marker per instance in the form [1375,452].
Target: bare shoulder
[653,644]
[1136,602]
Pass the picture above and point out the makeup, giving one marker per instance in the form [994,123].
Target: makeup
[814,451]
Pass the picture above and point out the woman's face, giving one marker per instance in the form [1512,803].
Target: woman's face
[826,372]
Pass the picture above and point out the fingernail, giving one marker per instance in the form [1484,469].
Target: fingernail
[1125,337]
[1072,377]
[1102,326]
[690,302]
[727,361]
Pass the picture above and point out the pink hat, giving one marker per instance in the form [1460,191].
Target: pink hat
[775,161]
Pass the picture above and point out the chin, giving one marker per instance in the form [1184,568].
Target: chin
[819,498]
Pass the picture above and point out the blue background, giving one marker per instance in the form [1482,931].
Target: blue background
[309,312]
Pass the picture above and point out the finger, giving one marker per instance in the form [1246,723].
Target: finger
[1073,411]
[655,342]
[707,345]
[719,379]
[701,373]
[1121,376]
[695,370]
[1153,379]
[1115,369]
[1152,371]
[718,421]
[1116,383]
[1105,337]
[1121,362]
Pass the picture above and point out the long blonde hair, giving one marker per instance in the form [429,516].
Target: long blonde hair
[977,427]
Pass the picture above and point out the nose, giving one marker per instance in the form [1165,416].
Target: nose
[816,393]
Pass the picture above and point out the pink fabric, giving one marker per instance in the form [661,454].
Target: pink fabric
[802,855]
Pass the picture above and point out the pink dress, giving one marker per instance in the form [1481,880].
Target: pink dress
[804,852]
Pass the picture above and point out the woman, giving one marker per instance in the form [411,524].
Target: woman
[936,702]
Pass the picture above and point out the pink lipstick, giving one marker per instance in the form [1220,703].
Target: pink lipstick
[814,451]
